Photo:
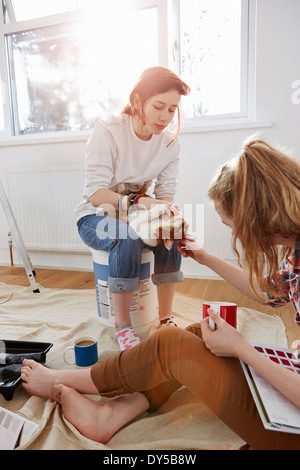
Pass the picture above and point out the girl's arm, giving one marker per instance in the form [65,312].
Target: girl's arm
[105,197]
[109,199]
[226,341]
[236,276]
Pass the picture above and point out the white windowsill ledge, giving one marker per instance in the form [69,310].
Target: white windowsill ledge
[40,139]
[224,125]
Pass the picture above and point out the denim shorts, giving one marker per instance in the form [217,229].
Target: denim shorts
[125,248]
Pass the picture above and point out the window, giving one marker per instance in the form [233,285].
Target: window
[21,10]
[65,77]
[210,45]
[72,62]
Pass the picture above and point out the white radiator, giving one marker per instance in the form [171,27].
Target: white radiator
[43,201]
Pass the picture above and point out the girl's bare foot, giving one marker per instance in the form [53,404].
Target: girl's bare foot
[39,380]
[99,421]
[91,418]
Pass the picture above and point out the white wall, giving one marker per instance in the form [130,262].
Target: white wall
[278,66]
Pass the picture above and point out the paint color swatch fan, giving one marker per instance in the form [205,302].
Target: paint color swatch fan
[277,412]
[17,237]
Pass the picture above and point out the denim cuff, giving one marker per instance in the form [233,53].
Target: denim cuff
[167,278]
[116,284]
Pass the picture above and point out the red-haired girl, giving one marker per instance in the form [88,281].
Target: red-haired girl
[131,150]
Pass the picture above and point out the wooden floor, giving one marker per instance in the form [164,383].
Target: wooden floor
[206,289]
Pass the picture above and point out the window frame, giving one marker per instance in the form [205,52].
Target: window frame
[16,27]
[169,55]
[248,40]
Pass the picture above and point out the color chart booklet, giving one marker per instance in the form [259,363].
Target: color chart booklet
[14,430]
[276,411]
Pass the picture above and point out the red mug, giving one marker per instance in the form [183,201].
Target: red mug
[226,310]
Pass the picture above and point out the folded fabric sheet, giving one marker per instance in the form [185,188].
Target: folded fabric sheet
[59,316]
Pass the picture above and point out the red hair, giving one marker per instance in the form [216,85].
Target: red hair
[154,81]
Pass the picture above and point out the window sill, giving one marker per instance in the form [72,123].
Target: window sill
[41,139]
[187,128]
[224,125]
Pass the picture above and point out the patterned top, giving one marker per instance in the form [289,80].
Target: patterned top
[290,282]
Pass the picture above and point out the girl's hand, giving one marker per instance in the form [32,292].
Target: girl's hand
[224,341]
[189,248]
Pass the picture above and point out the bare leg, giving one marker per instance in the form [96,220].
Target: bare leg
[40,380]
[122,303]
[96,420]
[165,294]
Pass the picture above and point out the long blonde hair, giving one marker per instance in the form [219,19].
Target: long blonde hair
[260,191]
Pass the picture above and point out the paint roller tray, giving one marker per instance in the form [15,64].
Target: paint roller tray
[12,354]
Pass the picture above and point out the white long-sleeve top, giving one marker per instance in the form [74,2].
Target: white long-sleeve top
[116,155]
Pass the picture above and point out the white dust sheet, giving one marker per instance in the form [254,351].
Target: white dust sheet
[58,316]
